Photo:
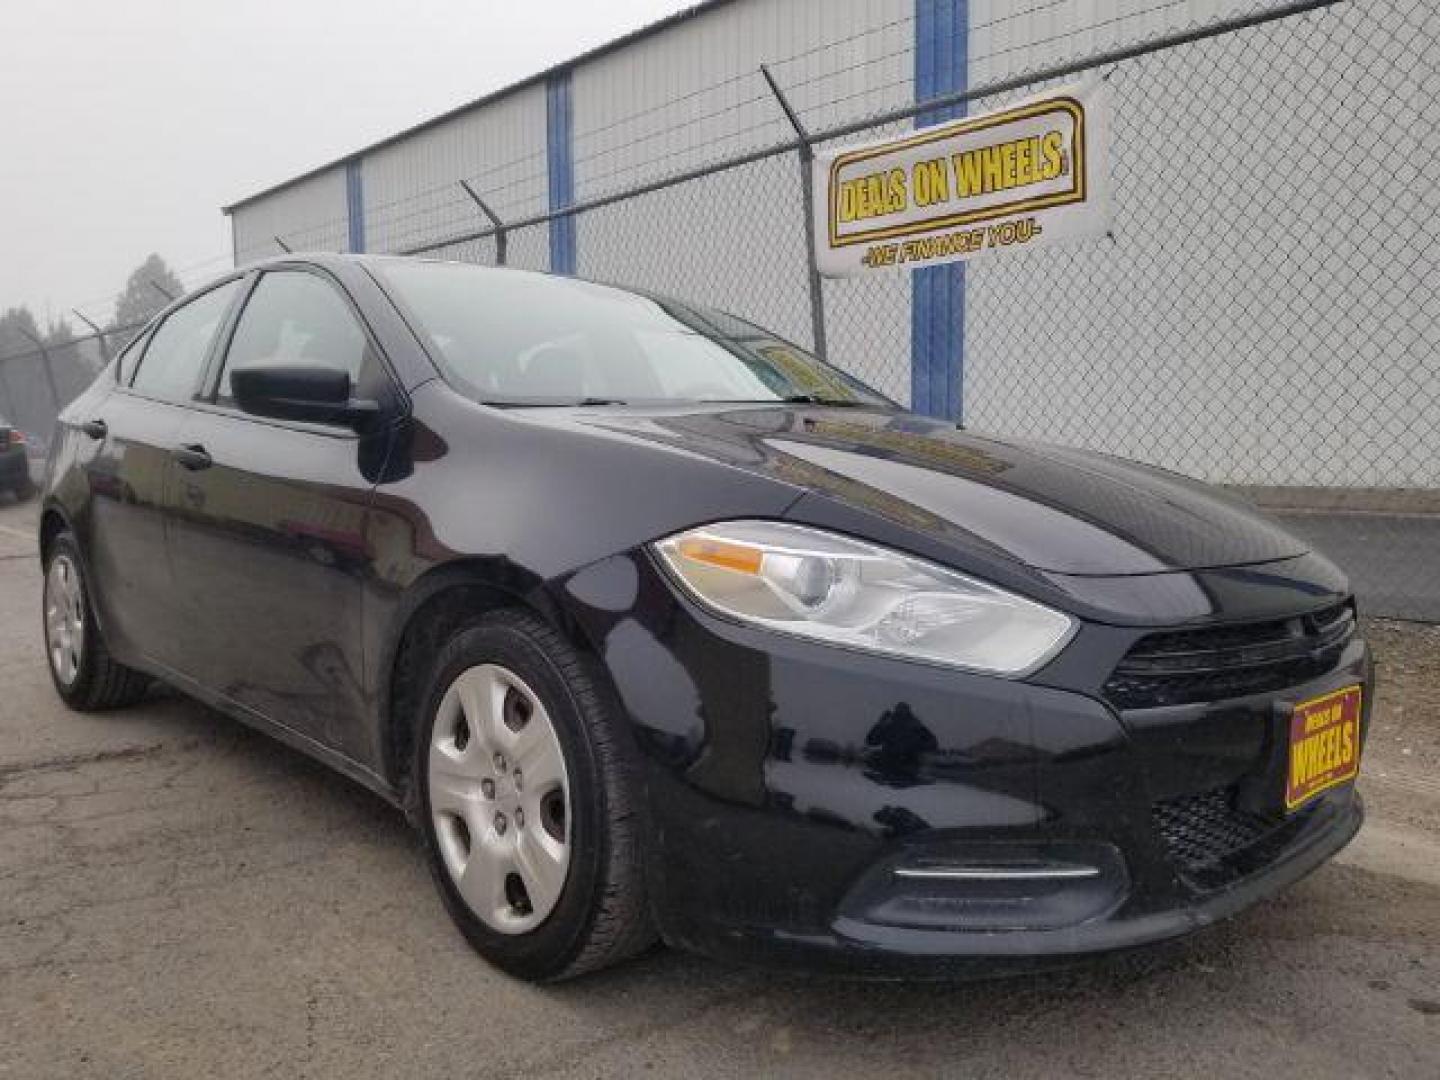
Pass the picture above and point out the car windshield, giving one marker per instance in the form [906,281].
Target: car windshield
[516,338]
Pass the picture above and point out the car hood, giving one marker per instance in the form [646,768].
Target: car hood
[1052,509]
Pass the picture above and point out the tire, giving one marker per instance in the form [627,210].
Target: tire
[486,690]
[92,680]
[24,490]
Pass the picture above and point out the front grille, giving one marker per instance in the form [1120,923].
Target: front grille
[1178,667]
[1202,831]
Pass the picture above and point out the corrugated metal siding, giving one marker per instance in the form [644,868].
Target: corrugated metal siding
[309,216]
[1011,37]
[1229,332]
[412,189]
[695,95]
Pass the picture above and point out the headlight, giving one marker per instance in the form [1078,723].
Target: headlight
[831,588]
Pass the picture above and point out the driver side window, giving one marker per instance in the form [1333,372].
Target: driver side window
[295,317]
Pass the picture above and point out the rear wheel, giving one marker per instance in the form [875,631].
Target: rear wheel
[81,668]
[24,490]
[528,809]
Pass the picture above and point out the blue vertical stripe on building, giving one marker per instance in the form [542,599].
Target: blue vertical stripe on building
[560,155]
[355,203]
[937,293]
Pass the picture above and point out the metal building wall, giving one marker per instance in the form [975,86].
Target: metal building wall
[1010,37]
[412,190]
[1179,365]
[694,95]
[309,215]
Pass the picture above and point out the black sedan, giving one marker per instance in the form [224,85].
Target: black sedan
[658,627]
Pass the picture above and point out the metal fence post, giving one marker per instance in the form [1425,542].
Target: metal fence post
[49,375]
[807,198]
[5,387]
[100,337]
[494,220]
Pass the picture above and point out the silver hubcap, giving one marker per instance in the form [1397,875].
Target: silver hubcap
[500,798]
[64,618]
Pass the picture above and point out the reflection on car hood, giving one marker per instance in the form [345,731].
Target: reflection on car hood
[1054,509]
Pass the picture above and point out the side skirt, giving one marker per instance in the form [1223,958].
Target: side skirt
[334,759]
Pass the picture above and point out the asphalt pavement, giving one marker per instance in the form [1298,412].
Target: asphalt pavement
[182,897]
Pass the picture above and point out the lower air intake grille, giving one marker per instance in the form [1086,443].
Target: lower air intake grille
[1212,663]
[1201,831]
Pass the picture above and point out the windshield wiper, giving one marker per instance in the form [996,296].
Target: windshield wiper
[815,399]
[828,402]
[790,399]
[557,403]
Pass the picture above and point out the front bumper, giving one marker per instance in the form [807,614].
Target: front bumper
[865,947]
[794,791]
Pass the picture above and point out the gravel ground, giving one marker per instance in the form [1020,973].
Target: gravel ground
[1403,755]
[182,897]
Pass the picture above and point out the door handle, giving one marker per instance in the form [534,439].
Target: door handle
[96,429]
[193,457]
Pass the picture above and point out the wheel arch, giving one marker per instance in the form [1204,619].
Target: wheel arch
[52,523]
[54,520]
[434,607]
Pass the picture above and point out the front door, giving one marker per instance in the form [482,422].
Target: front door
[130,434]
[268,525]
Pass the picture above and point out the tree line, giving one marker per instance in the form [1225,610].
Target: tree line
[43,368]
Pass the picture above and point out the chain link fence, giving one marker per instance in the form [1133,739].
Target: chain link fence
[1265,314]
[37,383]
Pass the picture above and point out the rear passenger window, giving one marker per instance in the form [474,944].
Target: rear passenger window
[294,317]
[171,366]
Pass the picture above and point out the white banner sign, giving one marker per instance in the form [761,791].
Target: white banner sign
[1033,173]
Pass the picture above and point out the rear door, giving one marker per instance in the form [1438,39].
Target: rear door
[268,519]
[129,435]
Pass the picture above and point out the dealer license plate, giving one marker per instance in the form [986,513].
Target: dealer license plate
[1324,745]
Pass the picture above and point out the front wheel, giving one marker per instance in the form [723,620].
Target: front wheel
[84,674]
[528,807]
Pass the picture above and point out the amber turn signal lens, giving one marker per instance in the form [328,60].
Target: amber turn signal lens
[721,553]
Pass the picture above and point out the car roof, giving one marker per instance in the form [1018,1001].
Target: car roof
[334,259]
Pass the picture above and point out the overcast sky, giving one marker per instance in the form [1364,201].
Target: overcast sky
[126,124]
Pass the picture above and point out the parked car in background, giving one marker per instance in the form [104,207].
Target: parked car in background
[656,625]
[14,461]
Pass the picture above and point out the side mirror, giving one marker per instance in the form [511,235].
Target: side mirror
[300,392]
